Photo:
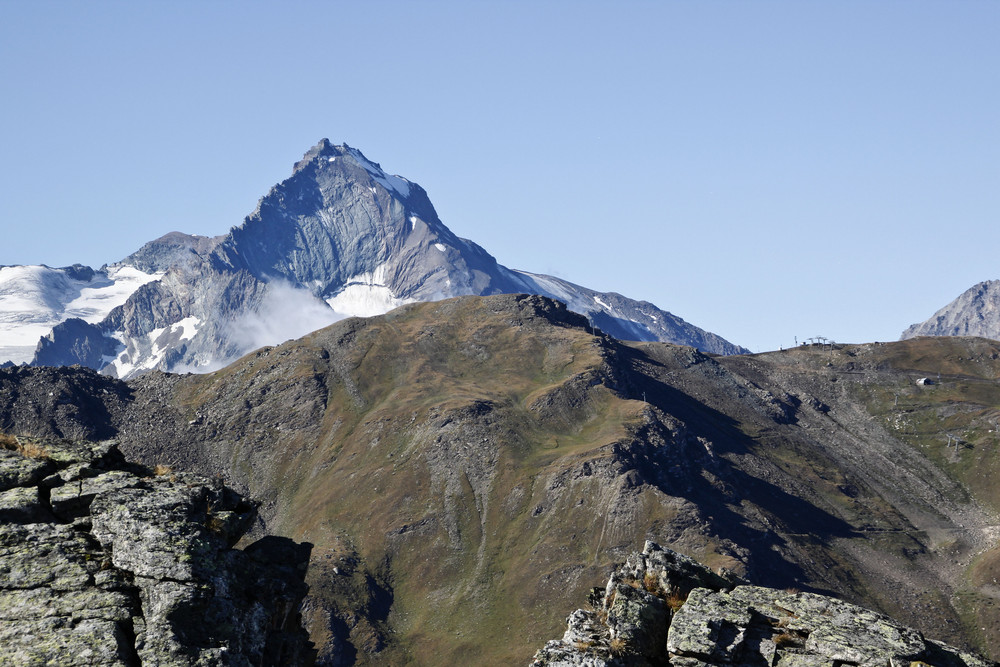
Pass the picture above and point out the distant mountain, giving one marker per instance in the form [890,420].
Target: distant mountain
[338,238]
[976,312]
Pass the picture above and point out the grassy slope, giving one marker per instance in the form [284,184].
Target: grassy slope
[935,539]
[472,467]
[442,429]
[954,423]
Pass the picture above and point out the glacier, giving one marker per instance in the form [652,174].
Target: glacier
[35,298]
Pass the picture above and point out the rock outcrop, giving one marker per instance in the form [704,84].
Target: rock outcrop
[662,608]
[107,563]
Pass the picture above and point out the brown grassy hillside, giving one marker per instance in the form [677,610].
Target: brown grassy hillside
[465,470]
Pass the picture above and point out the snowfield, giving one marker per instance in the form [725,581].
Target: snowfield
[33,299]
[366,295]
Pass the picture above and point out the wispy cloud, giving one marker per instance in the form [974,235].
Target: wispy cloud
[286,312]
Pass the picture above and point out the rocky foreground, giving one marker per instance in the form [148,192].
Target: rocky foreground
[107,563]
[662,608]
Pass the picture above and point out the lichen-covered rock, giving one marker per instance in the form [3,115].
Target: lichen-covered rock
[674,572]
[709,626]
[638,621]
[585,644]
[18,470]
[73,499]
[22,505]
[722,621]
[562,654]
[51,555]
[56,641]
[102,563]
[834,628]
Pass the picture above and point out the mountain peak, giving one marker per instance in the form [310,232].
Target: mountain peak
[340,237]
[975,312]
[323,149]
[325,153]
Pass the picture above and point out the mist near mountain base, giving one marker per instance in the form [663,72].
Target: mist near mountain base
[286,312]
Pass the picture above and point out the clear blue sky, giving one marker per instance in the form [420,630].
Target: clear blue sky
[764,170]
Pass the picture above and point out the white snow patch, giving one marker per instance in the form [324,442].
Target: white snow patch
[377,276]
[94,303]
[133,359]
[188,328]
[397,183]
[365,301]
[598,301]
[110,359]
[389,182]
[366,295]
[440,246]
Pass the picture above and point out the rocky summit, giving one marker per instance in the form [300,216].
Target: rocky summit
[103,562]
[339,237]
[976,312]
[662,608]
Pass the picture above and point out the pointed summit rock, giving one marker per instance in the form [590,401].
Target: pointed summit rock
[360,239]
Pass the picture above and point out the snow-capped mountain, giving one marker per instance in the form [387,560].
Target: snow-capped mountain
[976,312]
[338,238]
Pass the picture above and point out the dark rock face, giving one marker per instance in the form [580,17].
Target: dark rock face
[75,341]
[106,563]
[66,402]
[662,608]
